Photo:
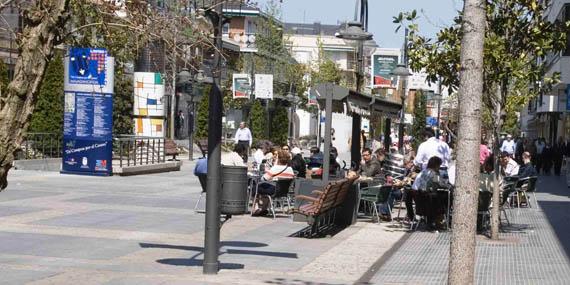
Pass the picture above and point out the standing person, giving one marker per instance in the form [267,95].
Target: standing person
[558,151]
[243,137]
[433,147]
[520,149]
[547,157]
[509,146]
[178,124]
[539,145]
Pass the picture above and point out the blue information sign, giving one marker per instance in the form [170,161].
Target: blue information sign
[87,66]
[88,116]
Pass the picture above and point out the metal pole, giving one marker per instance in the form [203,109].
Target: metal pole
[212,231]
[403,96]
[172,105]
[191,129]
[439,109]
[328,126]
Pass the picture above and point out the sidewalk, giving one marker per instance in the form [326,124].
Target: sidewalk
[66,229]
[533,250]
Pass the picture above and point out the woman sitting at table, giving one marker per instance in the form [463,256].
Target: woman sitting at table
[281,170]
[428,199]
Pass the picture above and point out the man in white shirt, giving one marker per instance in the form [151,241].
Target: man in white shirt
[509,166]
[243,137]
[509,146]
[432,147]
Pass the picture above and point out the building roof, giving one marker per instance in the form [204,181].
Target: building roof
[318,29]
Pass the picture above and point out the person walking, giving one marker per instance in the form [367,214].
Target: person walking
[509,146]
[243,136]
[558,150]
[484,152]
[539,147]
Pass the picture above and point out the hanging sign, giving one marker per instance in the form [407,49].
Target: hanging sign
[382,66]
[264,86]
[241,86]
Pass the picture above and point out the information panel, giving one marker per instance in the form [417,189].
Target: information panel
[88,112]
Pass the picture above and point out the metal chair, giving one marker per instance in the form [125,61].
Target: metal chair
[483,208]
[281,193]
[374,195]
[524,186]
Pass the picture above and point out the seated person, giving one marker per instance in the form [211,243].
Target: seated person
[509,167]
[201,171]
[380,156]
[316,158]
[526,170]
[281,170]
[298,162]
[259,154]
[428,200]
[235,158]
[369,166]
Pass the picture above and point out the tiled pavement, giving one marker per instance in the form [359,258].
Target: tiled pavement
[533,250]
[65,229]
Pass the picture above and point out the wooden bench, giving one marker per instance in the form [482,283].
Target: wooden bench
[321,208]
[170,148]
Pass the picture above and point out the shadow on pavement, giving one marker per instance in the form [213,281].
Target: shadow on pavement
[192,261]
[283,281]
[558,214]
[196,262]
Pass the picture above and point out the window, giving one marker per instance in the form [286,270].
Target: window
[226,29]
[251,27]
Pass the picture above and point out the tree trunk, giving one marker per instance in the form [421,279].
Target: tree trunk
[462,247]
[43,23]
[495,211]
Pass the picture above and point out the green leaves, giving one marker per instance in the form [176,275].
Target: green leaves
[517,34]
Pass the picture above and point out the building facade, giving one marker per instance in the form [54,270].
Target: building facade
[548,115]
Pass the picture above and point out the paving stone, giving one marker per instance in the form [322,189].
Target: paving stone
[130,220]
[64,246]
[533,250]
[10,211]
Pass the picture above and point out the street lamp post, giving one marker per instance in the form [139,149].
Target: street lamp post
[212,223]
[356,31]
[402,72]
[183,80]
[293,100]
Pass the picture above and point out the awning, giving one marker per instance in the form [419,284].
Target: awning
[367,105]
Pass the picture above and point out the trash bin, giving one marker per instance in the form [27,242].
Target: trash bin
[234,190]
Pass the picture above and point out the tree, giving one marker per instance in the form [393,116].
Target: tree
[4,78]
[48,114]
[258,121]
[516,43]
[123,104]
[462,247]
[420,114]
[202,115]
[279,125]
[46,24]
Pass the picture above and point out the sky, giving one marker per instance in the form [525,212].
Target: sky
[433,14]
